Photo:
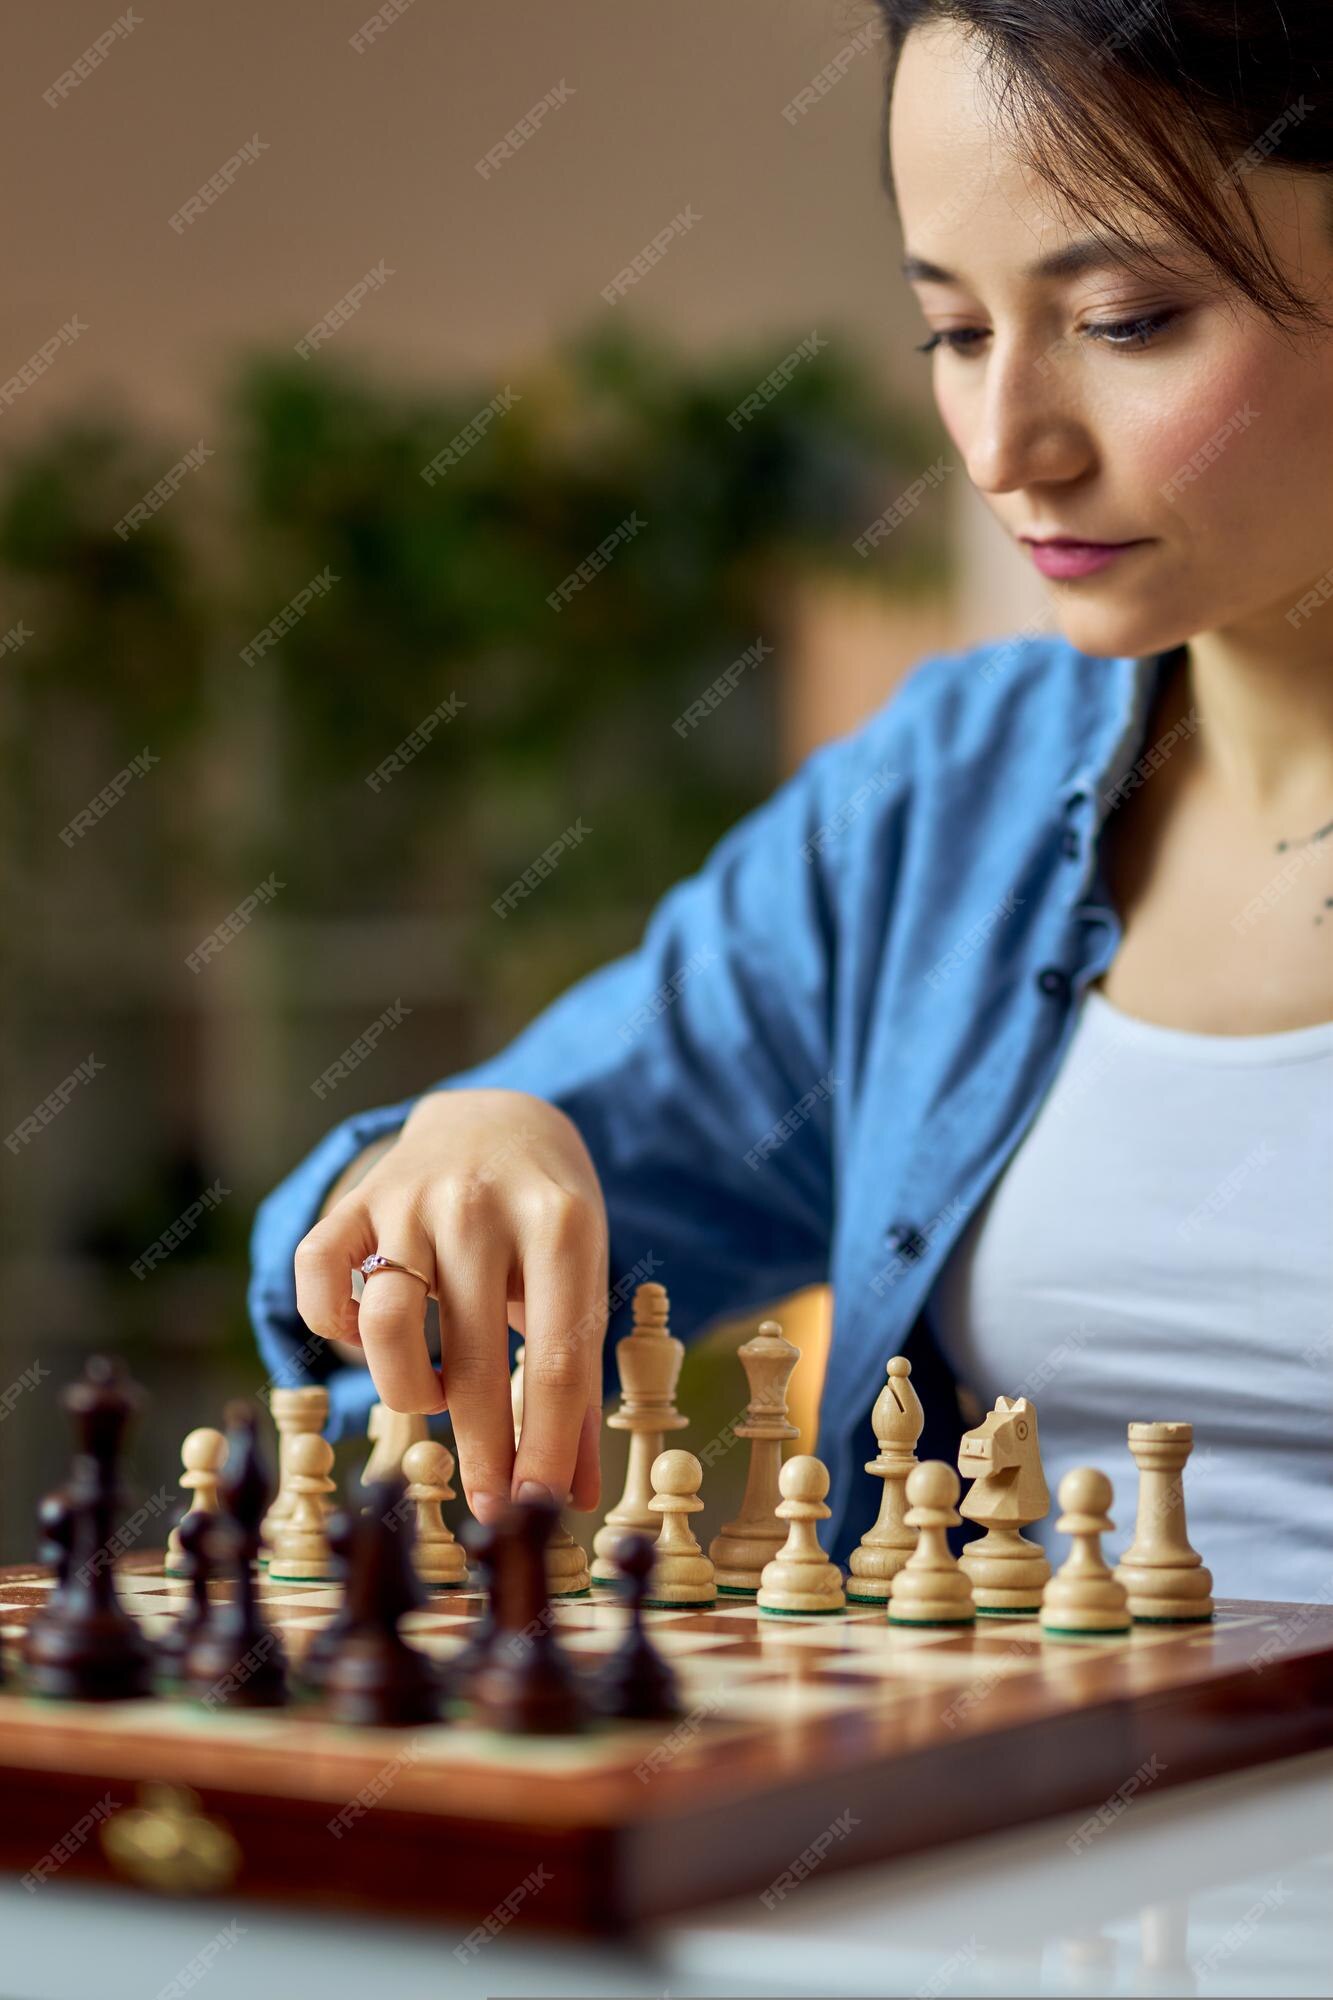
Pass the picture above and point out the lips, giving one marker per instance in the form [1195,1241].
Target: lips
[1071,542]
[1061,557]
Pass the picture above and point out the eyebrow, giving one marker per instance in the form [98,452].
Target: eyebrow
[1086,253]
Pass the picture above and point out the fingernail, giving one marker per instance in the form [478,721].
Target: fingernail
[531,1490]
[488,1507]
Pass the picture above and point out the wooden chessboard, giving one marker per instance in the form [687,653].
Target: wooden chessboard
[808,1742]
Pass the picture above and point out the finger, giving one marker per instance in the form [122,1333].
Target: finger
[587,1487]
[392,1321]
[475,1348]
[564,1292]
[325,1260]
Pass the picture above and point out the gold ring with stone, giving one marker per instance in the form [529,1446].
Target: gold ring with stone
[377,1262]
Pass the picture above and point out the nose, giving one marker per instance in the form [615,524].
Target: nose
[1025,428]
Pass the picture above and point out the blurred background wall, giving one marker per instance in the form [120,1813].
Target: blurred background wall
[269,269]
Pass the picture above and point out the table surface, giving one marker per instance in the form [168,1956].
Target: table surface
[1217,1888]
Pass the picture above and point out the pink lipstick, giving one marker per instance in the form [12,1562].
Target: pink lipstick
[1063,559]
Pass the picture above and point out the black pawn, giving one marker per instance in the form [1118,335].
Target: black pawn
[481,1539]
[86,1646]
[524,1686]
[197,1534]
[236,1660]
[371,1675]
[340,1529]
[636,1684]
[55,1524]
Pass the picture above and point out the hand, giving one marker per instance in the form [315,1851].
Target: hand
[492,1194]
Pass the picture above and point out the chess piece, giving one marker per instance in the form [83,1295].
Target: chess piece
[439,1560]
[311,1667]
[371,1675]
[197,1535]
[299,1547]
[897,1421]
[739,1552]
[524,1686]
[566,1564]
[481,1540]
[636,1684]
[55,1523]
[296,1413]
[682,1574]
[237,1658]
[649,1360]
[800,1578]
[203,1454]
[390,1433]
[1084,1596]
[88,1647]
[931,1588]
[1164,1576]
[1003,1460]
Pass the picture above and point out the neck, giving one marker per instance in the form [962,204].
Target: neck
[1264,700]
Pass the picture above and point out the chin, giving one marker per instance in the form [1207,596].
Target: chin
[1109,631]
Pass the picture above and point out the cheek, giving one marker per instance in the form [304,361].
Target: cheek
[951,408]
[1197,447]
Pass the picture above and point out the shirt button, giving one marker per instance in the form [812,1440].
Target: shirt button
[907,1240]
[1054,982]
[1070,845]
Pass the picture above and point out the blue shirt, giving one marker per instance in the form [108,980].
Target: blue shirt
[831,1037]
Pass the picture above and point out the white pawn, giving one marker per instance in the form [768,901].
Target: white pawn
[292,1411]
[300,1548]
[682,1573]
[203,1455]
[1084,1595]
[930,1588]
[800,1578]
[429,1469]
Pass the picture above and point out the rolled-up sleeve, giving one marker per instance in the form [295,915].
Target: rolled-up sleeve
[699,1069]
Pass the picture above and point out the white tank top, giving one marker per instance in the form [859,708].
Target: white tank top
[1160,1246]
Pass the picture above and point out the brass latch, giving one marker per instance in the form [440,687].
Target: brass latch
[168,1843]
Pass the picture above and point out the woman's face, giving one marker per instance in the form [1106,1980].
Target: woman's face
[1109,404]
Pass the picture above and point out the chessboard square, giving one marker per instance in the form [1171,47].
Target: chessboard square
[719,1667]
[783,1701]
[414,1623]
[439,1645]
[819,1634]
[682,1643]
[313,1599]
[947,1668]
[589,1640]
[583,1611]
[155,1623]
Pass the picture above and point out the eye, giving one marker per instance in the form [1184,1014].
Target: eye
[1122,333]
[1130,332]
[956,337]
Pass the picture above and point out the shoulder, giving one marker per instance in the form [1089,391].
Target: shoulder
[986,736]
[1032,700]
[985,740]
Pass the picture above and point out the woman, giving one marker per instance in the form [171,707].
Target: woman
[1010,1013]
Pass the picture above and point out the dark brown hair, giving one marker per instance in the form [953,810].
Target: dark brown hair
[1168,104]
